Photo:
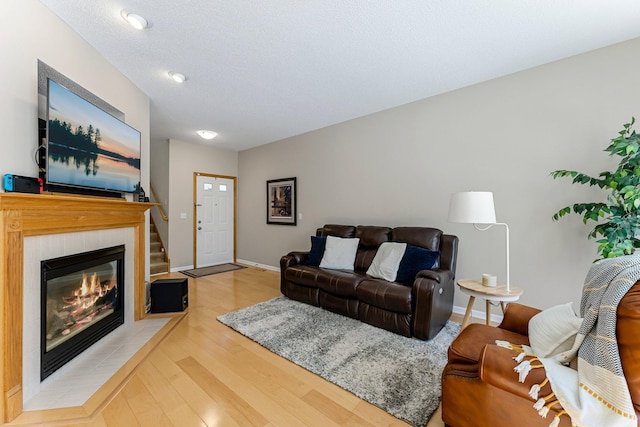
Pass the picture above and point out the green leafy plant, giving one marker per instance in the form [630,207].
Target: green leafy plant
[617,220]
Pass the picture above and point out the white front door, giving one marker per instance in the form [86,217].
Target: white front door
[214,220]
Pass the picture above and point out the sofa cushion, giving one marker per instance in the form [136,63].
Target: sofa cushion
[339,282]
[339,253]
[425,237]
[385,263]
[317,250]
[364,258]
[337,230]
[372,236]
[386,295]
[415,259]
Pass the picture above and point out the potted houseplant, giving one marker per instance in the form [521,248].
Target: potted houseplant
[617,220]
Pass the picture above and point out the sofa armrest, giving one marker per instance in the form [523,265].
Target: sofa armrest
[516,318]
[437,275]
[290,260]
[433,295]
[496,366]
[293,258]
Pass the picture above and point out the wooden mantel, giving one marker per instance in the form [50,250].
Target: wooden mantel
[24,215]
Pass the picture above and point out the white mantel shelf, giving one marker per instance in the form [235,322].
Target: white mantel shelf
[24,215]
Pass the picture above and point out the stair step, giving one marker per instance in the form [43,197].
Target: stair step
[157,257]
[158,267]
[157,261]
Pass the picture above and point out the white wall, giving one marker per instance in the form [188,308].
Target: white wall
[399,167]
[184,160]
[28,32]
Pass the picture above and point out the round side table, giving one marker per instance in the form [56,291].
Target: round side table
[475,289]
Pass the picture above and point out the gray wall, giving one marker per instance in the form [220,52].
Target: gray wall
[396,167]
[399,167]
[184,160]
[22,43]
[28,32]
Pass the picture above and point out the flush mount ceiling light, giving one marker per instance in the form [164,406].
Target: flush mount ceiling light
[136,21]
[207,134]
[178,77]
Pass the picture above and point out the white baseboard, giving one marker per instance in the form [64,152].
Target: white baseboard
[239,261]
[257,264]
[184,267]
[497,318]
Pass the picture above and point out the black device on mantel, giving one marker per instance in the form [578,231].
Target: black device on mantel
[22,184]
[169,295]
[142,197]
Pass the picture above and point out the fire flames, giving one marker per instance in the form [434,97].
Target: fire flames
[89,291]
[91,299]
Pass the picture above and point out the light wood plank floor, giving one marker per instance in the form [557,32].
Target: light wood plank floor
[205,374]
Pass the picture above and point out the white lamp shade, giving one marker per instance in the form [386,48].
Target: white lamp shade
[474,207]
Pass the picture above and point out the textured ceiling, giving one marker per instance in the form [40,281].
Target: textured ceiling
[263,70]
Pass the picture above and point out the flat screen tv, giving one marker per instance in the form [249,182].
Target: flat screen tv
[87,148]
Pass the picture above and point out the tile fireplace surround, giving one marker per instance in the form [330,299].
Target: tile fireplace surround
[27,215]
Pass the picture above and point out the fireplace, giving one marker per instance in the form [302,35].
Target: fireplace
[82,301]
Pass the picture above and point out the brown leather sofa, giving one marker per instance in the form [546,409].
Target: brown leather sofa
[480,388]
[420,309]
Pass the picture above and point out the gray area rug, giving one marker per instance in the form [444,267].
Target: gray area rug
[399,375]
[214,269]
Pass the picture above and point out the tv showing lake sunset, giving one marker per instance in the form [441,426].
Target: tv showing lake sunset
[88,147]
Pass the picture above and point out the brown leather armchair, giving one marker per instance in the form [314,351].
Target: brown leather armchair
[480,388]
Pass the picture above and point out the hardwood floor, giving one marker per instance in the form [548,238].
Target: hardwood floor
[205,374]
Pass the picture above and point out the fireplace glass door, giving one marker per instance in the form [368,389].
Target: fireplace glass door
[82,301]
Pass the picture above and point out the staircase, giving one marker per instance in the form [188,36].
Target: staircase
[159,260]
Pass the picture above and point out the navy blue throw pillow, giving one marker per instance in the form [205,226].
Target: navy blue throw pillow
[317,250]
[415,259]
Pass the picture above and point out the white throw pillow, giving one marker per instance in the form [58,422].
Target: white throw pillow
[553,330]
[339,253]
[385,263]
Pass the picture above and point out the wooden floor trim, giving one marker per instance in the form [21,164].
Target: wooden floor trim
[96,403]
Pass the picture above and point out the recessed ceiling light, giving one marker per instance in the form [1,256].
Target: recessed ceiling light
[178,77]
[136,21]
[207,134]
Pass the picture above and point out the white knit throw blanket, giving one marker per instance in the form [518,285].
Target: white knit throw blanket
[597,393]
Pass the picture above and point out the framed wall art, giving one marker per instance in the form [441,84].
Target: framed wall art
[281,201]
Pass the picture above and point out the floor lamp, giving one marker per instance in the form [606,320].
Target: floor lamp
[476,207]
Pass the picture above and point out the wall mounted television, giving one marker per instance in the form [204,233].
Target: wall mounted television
[88,149]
